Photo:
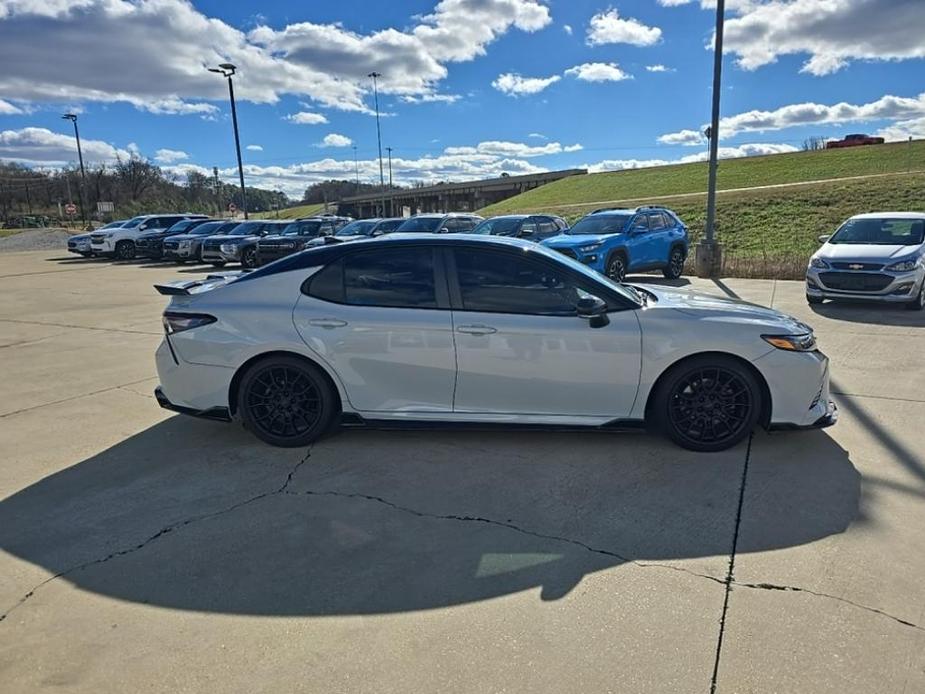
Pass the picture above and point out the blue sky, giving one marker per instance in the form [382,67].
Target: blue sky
[470,88]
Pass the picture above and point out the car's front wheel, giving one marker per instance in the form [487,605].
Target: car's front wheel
[249,258]
[125,250]
[675,266]
[918,303]
[707,403]
[286,401]
[616,267]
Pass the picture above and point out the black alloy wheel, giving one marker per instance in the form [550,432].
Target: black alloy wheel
[249,258]
[708,404]
[675,266]
[286,401]
[125,250]
[616,267]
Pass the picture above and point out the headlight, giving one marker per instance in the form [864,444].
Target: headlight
[792,343]
[903,266]
[228,248]
[819,263]
[591,247]
[185,244]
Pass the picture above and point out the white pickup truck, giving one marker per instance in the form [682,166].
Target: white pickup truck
[120,243]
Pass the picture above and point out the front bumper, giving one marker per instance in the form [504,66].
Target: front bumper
[902,287]
[105,247]
[798,383]
[80,247]
[829,418]
[213,255]
[181,252]
[594,259]
[150,248]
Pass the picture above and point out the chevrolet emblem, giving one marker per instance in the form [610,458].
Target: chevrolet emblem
[855,266]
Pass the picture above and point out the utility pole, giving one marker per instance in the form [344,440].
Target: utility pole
[375,76]
[356,166]
[83,175]
[389,150]
[708,253]
[227,70]
[216,188]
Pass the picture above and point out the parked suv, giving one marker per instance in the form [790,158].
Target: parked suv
[878,256]
[617,241]
[450,223]
[537,227]
[151,243]
[184,247]
[80,243]
[120,243]
[240,244]
[296,235]
[360,229]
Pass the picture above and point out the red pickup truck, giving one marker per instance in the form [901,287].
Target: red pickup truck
[854,141]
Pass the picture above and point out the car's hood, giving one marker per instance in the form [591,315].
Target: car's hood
[703,305]
[864,251]
[232,238]
[79,237]
[183,237]
[570,240]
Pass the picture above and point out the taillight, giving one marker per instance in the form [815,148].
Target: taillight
[178,322]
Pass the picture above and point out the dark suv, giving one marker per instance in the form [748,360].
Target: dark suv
[151,243]
[240,244]
[295,236]
[440,223]
[184,247]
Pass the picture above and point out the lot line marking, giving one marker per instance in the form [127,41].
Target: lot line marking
[80,327]
[730,573]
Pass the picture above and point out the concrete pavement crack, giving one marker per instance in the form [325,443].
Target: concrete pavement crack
[121,386]
[166,530]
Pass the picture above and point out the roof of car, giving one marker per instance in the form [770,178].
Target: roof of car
[890,215]
[514,216]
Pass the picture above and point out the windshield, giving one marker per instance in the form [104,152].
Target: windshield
[223,228]
[362,227]
[181,226]
[302,229]
[501,226]
[207,228]
[113,225]
[428,224]
[600,224]
[135,221]
[881,232]
[247,228]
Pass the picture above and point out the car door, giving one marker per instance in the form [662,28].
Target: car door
[639,244]
[659,237]
[521,349]
[380,320]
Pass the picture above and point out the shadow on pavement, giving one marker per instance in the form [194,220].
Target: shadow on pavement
[870,312]
[194,515]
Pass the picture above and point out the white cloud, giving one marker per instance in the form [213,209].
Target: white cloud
[254,148]
[538,136]
[336,140]
[598,72]
[169,156]
[8,109]
[42,147]
[430,98]
[513,84]
[170,43]
[513,149]
[306,118]
[749,150]
[830,32]
[607,27]
[673,3]
[659,68]
[903,130]
[567,28]
[688,138]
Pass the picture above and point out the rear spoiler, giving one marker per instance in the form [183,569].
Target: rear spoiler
[189,287]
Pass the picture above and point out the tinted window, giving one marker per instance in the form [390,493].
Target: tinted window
[560,223]
[528,228]
[359,228]
[400,277]
[886,232]
[465,224]
[429,224]
[499,226]
[504,283]
[181,226]
[656,221]
[546,227]
[388,225]
[600,224]
[307,228]
[640,223]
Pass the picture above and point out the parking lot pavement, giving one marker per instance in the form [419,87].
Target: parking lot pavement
[148,551]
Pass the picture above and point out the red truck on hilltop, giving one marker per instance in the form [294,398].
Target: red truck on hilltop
[854,141]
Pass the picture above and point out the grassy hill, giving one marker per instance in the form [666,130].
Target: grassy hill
[292,212]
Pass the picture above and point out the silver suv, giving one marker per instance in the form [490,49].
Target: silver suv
[878,256]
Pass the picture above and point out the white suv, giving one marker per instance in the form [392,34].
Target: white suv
[120,243]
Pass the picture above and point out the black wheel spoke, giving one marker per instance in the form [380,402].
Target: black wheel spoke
[710,405]
[283,401]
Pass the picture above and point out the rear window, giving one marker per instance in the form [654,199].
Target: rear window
[425,224]
[395,278]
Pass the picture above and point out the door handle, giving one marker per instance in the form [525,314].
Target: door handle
[477,329]
[327,323]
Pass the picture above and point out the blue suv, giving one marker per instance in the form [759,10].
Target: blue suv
[617,241]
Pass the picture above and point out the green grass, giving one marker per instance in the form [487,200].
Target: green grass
[292,212]
[641,184]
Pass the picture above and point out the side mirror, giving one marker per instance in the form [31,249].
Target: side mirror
[594,309]
[824,237]
[142,227]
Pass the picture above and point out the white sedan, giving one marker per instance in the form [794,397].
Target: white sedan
[483,330]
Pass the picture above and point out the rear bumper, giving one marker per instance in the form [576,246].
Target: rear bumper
[219,414]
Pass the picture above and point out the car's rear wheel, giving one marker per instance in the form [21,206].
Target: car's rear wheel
[707,403]
[616,267]
[286,401]
[675,266]
[813,300]
[249,258]
[918,303]
[125,250]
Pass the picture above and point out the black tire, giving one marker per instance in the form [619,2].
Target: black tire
[616,267]
[707,403]
[286,401]
[125,250]
[675,266]
[918,303]
[180,261]
[249,258]
[814,300]
[218,264]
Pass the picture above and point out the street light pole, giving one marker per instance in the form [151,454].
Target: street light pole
[227,70]
[708,251]
[356,166]
[389,150]
[375,76]
[83,175]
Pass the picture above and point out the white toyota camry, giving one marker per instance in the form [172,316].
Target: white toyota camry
[478,329]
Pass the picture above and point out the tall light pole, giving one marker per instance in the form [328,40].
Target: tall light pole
[83,175]
[375,76]
[389,150]
[356,167]
[227,70]
[707,254]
